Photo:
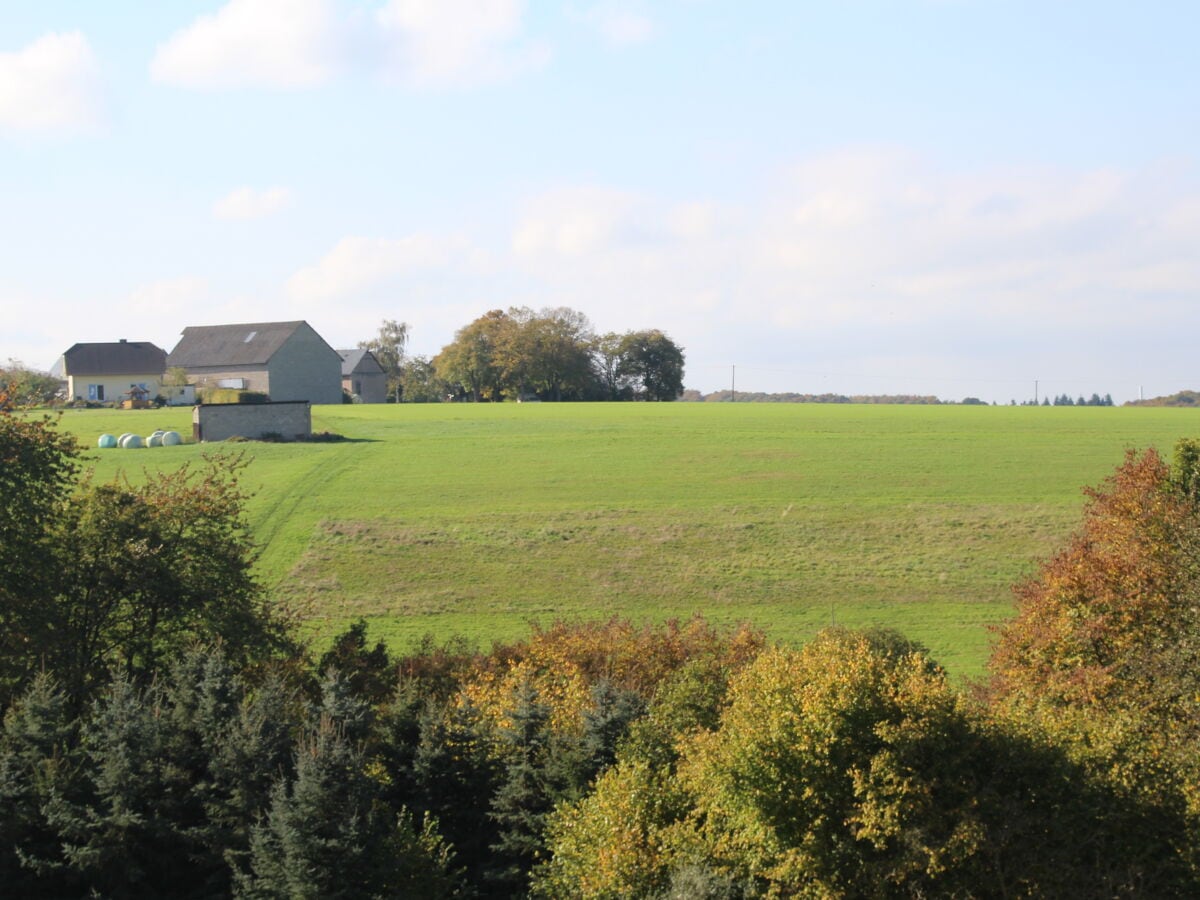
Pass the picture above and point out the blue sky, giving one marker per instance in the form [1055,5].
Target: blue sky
[950,197]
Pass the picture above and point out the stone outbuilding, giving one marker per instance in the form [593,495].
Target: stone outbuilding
[287,361]
[287,421]
[113,372]
[363,376]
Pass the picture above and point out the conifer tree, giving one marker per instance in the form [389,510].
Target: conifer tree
[523,800]
[39,759]
[457,773]
[122,838]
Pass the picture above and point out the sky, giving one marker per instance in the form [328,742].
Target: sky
[950,197]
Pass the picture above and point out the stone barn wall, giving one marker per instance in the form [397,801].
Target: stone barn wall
[218,421]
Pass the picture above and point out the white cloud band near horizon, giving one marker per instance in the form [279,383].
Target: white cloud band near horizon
[866,240]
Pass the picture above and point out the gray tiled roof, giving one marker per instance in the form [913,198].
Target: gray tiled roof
[360,361]
[248,344]
[116,358]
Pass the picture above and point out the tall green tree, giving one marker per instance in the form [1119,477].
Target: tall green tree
[144,571]
[524,798]
[38,469]
[389,346]
[548,353]
[420,382]
[471,360]
[457,773]
[606,353]
[326,836]
[114,575]
[653,363]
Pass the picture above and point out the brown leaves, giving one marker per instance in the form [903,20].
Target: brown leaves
[1086,617]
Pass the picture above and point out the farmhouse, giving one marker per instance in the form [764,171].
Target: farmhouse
[363,376]
[112,372]
[285,360]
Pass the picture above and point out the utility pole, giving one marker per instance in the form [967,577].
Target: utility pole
[733,384]
[1035,392]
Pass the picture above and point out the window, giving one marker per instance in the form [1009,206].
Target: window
[96,392]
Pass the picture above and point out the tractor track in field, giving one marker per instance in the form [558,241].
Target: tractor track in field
[273,519]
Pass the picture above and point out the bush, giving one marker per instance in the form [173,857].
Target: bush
[232,395]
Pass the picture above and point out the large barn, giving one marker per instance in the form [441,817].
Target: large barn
[284,360]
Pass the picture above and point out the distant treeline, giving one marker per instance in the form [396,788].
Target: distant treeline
[1067,400]
[1182,398]
[522,354]
[789,397]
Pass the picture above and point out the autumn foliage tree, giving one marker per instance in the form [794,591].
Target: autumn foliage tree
[1104,650]
[852,768]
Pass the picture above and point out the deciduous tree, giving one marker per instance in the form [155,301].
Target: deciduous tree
[471,360]
[653,363]
[388,346]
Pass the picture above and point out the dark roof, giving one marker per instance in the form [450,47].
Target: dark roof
[360,361]
[118,358]
[250,344]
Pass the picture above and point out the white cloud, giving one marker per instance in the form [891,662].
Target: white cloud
[849,256]
[358,264]
[168,298]
[247,203]
[617,25]
[50,86]
[572,222]
[268,43]
[448,43]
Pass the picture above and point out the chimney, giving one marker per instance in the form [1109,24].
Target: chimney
[122,340]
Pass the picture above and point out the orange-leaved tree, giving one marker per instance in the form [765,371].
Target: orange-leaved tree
[1104,647]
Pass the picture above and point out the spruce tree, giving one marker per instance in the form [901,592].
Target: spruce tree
[457,774]
[39,759]
[523,800]
[314,842]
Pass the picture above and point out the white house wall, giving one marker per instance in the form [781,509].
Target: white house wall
[116,387]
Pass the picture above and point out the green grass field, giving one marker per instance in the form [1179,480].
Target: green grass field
[478,519]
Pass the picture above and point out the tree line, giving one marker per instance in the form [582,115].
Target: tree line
[166,732]
[1067,400]
[552,354]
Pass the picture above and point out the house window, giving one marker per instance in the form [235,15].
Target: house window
[96,392]
[358,388]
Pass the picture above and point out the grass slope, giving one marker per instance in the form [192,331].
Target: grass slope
[478,519]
